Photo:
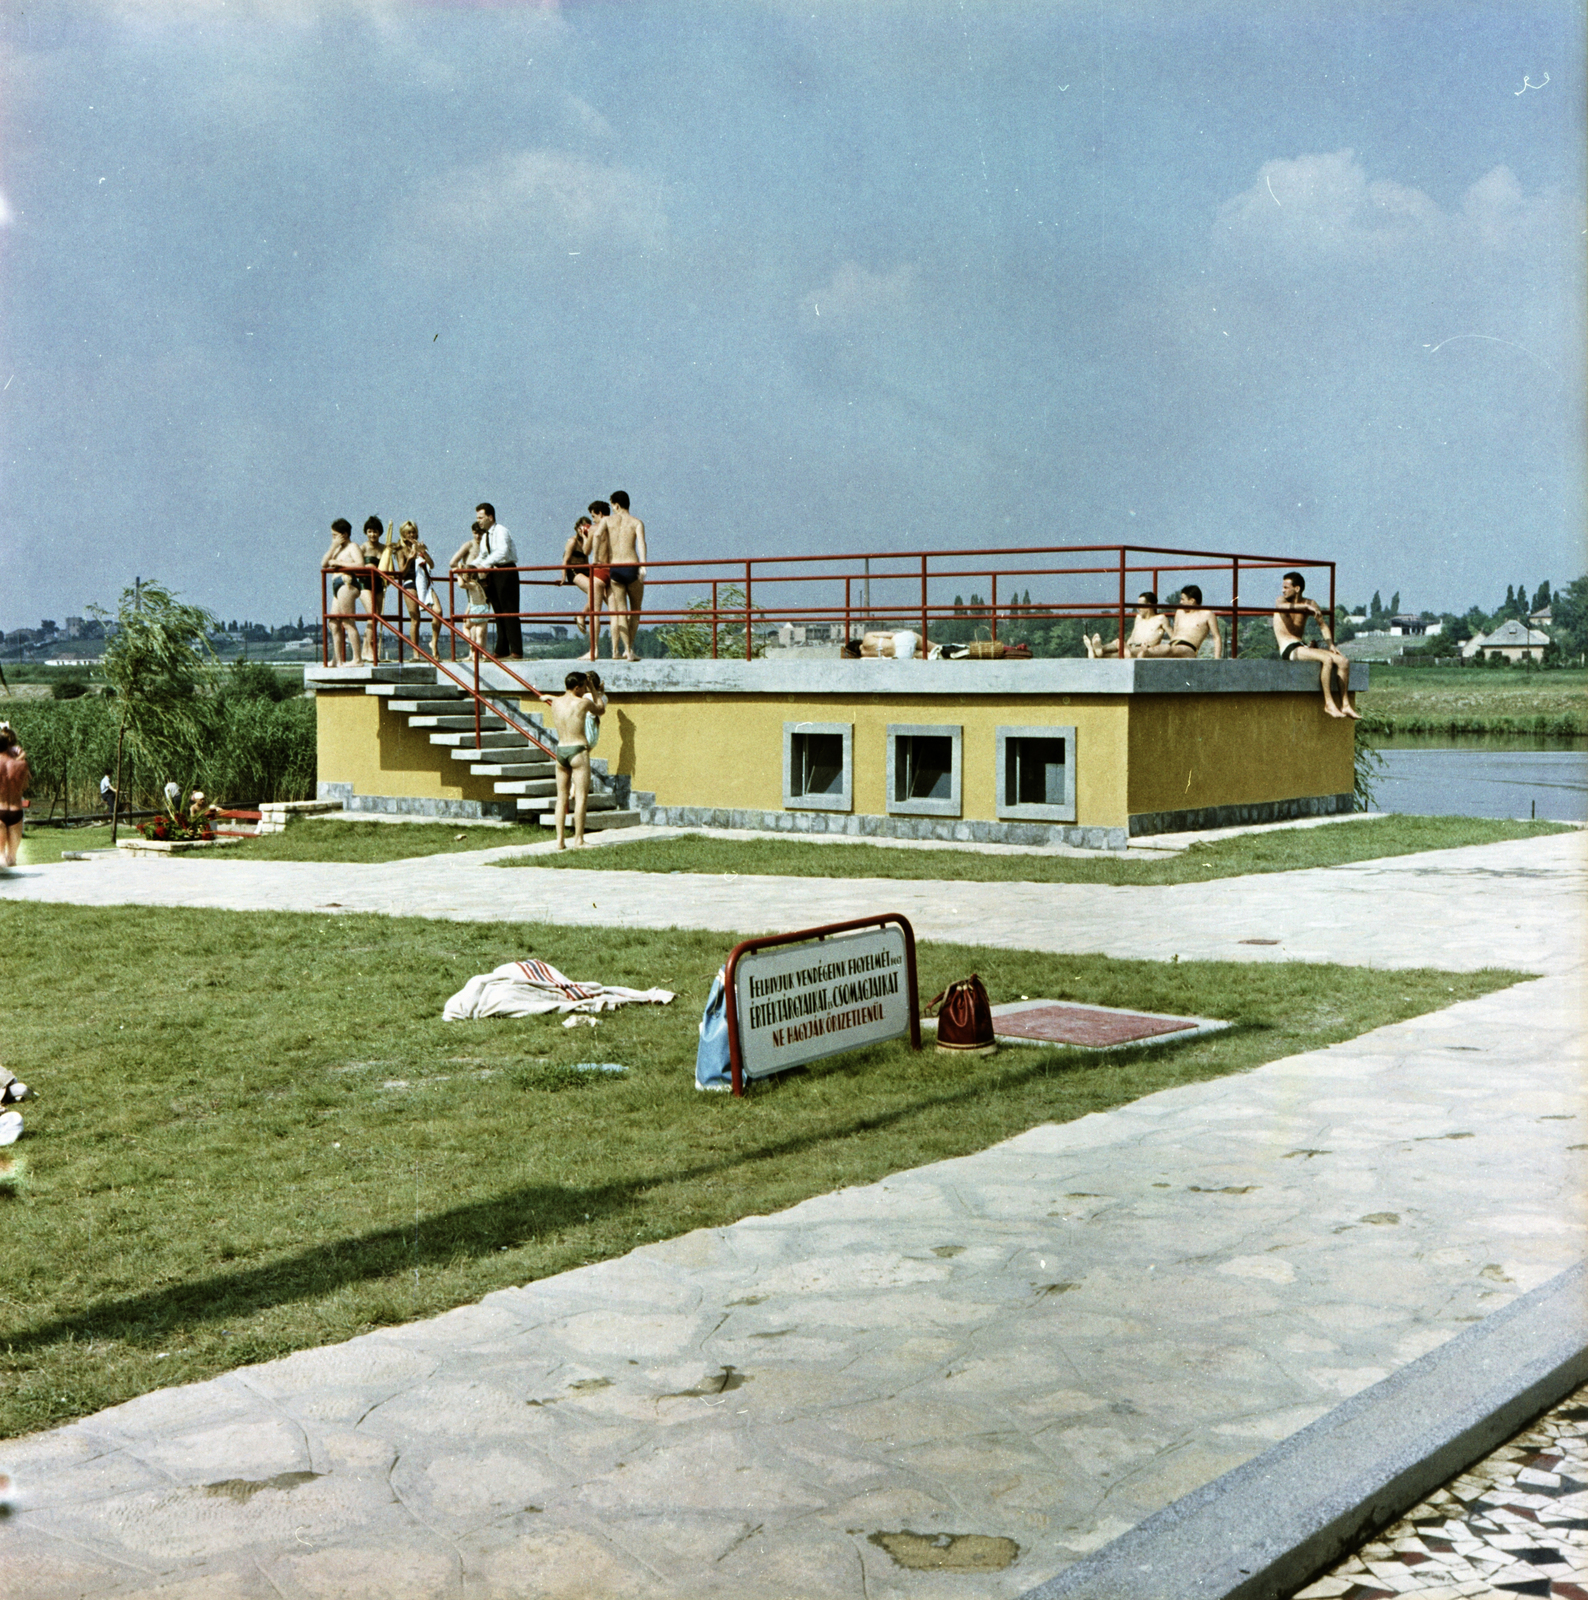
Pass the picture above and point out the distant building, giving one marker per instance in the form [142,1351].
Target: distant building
[1405,623]
[1513,640]
[74,627]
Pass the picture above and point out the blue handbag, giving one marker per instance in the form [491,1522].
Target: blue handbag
[712,1070]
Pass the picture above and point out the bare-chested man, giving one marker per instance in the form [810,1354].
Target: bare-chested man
[568,712]
[1150,628]
[1290,631]
[1193,623]
[621,539]
[15,776]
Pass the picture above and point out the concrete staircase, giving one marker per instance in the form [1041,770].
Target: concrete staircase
[523,769]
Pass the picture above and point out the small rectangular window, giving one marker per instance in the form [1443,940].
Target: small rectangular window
[1036,774]
[817,766]
[924,770]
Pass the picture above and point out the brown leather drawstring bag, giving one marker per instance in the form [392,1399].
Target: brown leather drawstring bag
[964,1021]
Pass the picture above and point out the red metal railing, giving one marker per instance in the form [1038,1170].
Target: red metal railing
[444,669]
[1077,582]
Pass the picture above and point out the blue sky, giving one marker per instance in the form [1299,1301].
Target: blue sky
[1301,278]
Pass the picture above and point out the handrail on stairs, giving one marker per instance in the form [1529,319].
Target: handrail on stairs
[529,730]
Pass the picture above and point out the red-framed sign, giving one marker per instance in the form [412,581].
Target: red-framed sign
[798,997]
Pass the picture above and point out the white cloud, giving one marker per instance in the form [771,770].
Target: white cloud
[853,293]
[5,212]
[1326,205]
[524,201]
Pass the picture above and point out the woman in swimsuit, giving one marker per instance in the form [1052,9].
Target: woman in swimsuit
[345,588]
[374,591]
[411,567]
[576,570]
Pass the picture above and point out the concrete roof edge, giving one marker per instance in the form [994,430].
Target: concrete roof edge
[1274,1523]
[1001,679]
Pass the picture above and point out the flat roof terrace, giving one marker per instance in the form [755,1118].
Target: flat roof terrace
[1070,750]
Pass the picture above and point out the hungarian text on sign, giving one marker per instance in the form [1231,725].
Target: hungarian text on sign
[798,1003]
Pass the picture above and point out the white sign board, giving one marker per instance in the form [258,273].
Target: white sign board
[799,1002]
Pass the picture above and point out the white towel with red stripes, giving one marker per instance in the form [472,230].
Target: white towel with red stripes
[530,988]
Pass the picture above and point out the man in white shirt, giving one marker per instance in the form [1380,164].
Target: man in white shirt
[500,560]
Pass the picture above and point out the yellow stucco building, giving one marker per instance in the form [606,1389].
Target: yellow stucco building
[1083,752]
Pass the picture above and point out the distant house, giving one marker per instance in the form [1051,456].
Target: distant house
[1541,619]
[1513,640]
[1406,623]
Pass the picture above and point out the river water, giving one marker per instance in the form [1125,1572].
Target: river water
[1484,777]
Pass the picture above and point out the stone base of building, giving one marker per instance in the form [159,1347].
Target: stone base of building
[403,805]
[951,830]
[1239,816]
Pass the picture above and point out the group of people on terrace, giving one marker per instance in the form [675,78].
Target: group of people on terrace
[1155,634]
[604,559]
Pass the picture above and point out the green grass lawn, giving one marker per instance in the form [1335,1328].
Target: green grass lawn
[1286,850]
[40,846]
[1476,700]
[1283,851]
[306,841]
[255,1134]
[312,840]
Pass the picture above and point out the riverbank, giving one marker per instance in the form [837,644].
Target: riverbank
[1476,700]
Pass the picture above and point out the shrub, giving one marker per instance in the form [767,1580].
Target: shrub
[252,750]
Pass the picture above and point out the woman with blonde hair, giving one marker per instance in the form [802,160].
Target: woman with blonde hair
[411,566]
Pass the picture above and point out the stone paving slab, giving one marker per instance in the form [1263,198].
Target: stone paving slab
[1398,911]
[1040,1344]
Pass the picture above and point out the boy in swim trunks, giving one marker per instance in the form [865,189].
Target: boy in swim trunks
[1150,628]
[1193,623]
[579,699]
[15,776]
[1290,630]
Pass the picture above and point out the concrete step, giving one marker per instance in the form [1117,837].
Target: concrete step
[536,802]
[595,820]
[526,786]
[386,672]
[498,758]
[463,744]
[527,768]
[428,707]
[488,722]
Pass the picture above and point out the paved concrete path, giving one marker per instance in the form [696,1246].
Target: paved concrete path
[992,1365]
[1392,912]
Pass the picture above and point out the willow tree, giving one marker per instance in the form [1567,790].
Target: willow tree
[162,670]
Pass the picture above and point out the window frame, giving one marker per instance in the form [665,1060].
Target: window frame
[951,807]
[1013,811]
[844,800]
